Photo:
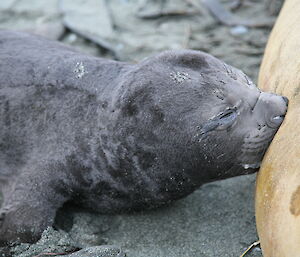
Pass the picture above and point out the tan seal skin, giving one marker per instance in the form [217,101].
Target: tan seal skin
[278,181]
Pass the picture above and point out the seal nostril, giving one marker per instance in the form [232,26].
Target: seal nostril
[280,117]
[286,100]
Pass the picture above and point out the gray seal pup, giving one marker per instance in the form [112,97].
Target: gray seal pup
[117,137]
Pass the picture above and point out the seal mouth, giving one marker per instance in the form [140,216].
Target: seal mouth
[247,166]
[276,121]
[270,109]
[255,146]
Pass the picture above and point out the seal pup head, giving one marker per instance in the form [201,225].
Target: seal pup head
[203,117]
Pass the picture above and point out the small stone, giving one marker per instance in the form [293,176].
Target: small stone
[71,38]
[99,251]
[238,30]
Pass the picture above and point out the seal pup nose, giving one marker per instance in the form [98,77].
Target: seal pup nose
[273,109]
[286,100]
[276,104]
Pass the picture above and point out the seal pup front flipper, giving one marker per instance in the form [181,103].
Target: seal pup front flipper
[31,202]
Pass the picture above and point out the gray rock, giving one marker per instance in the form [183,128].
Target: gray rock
[238,30]
[38,17]
[92,20]
[52,241]
[273,6]
[113,25]
[5,4]
[99,251]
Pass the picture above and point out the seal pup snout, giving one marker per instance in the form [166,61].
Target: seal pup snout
[270,109]
[268,113]
[286,100]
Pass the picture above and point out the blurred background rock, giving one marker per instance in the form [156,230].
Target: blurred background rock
[130,30]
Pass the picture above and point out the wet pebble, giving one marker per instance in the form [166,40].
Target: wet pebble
[238,30]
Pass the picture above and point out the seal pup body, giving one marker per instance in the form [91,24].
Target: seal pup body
[118,137]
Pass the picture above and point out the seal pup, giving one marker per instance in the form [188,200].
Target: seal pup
[116,137]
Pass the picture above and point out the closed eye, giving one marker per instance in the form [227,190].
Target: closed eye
[223,120]
[227,118]
[227,115]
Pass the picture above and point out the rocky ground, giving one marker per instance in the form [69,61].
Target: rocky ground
[216,220]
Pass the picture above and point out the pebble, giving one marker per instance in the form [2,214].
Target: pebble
[238,30]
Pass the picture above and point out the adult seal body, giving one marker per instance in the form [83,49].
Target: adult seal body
[116,137]
[277,198]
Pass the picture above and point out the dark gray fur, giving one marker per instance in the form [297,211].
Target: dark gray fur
[117,137]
